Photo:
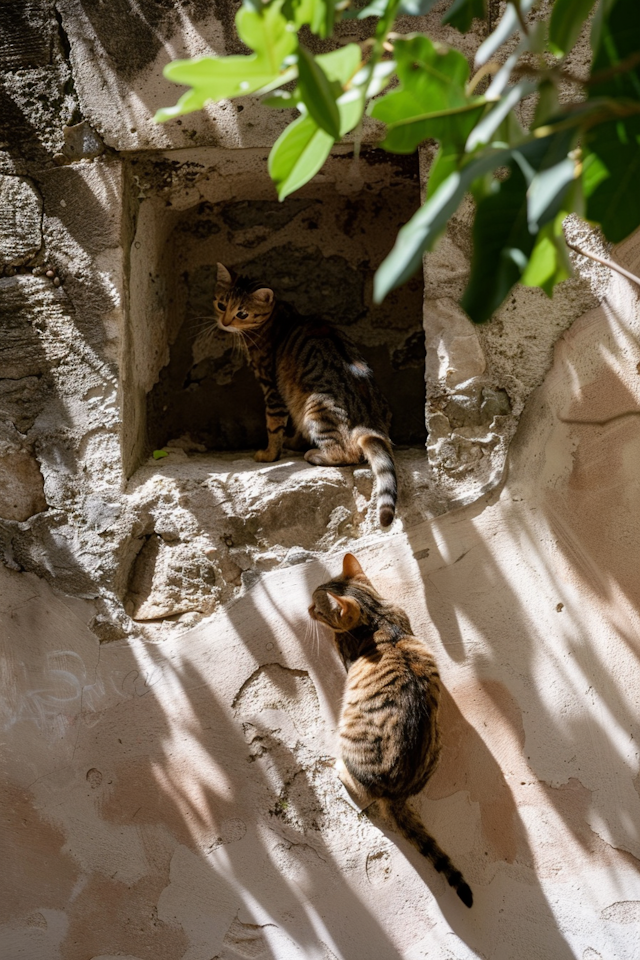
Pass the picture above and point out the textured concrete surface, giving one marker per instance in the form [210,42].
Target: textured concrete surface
[178,799]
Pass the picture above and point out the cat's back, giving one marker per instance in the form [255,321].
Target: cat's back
[313,358]
[402,670]
[388,727]
[298,335]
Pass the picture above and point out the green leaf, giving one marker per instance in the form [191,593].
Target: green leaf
[548,104]
[341,64]
[218,78]
[426,225]
[547,192]
[599,18]
[351,107]
[318,14]
[317,94]
[281,100]
[612,149]
[502,240]
[448,126]
[549,262]
[594,173]
[612,174]
[507,25]
[416,8]
[298,154]
[322,22]
[502,245]
[483,131]
[446,162]
[431,100]
[567,18]
[299,11]
[619,40]
[159,454]
[462,12]
[377,8]
[549,173]
[538,37]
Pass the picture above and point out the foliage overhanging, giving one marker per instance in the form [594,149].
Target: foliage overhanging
[581,154]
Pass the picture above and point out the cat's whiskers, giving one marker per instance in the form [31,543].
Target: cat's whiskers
[202,321]
[248,339]
[207,325]
[308,633]
[312,636]
[316,636]
[238,349]
[245,334]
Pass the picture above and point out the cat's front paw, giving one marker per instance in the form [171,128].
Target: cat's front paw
[265,456]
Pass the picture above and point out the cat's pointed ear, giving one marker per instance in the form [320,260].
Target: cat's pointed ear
[346,609]
[264,295]
[351,568]
[224,277]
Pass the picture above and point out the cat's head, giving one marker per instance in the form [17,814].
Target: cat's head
[239,303]
[347,602]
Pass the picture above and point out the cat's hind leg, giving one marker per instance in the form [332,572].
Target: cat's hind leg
[297,442]
[331,454]
[359,794]
[326,425]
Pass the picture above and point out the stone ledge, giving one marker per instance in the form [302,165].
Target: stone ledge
[238,518]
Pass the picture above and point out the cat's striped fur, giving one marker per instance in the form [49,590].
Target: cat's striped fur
[389,738]
[310,372]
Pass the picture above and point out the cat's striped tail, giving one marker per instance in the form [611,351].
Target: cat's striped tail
[414,830]
[378,453]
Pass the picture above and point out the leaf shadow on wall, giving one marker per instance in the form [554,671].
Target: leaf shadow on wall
[467,765]
[252,863]
[514,651]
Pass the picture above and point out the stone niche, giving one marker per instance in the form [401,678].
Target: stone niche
[319,250]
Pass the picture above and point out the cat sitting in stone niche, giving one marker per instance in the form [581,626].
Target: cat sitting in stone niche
[313,374]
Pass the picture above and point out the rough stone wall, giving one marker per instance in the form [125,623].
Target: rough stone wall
[318,251]
[148,776]
[108,271]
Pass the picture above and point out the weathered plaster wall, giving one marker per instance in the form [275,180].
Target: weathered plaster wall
[170,793]
[178,800]
[112,259]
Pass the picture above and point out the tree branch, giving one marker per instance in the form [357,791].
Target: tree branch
[605,263]
[523,23]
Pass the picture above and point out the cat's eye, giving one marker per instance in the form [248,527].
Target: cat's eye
[242,314]
[221,306]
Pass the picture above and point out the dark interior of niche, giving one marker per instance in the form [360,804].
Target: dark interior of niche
[319,252]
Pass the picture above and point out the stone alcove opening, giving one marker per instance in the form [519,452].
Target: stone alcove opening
[319,250]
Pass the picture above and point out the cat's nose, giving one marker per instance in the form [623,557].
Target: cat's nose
[312,611]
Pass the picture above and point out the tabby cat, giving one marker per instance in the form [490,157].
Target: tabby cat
[389,740]
[314,375]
